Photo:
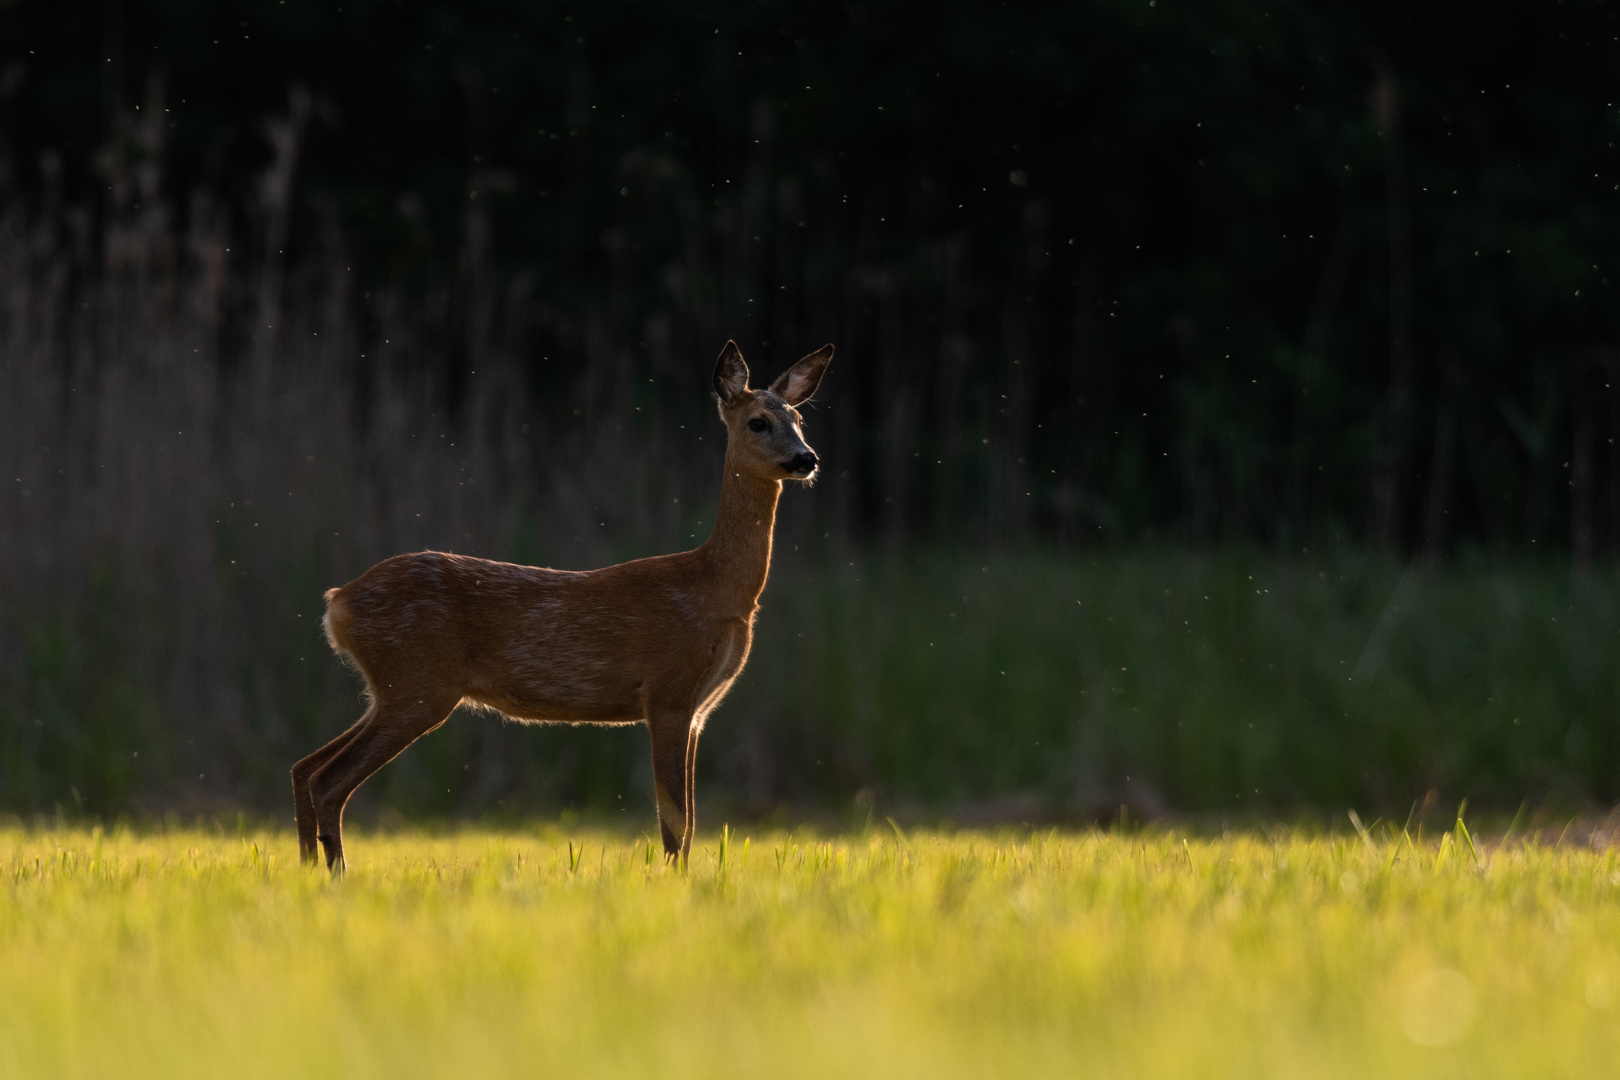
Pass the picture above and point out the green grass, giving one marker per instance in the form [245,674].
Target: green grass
[194,954]
[1230,682]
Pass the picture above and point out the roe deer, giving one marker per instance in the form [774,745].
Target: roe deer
[655,641]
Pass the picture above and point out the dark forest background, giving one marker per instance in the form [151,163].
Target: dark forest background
[1154,292]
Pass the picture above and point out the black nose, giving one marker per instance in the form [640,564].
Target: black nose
[802,464]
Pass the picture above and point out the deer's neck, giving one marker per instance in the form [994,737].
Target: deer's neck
[738,552]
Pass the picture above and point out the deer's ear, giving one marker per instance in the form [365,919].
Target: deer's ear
[730,374]
[797,383]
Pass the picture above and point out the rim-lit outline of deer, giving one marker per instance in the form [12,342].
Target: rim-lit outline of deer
[656,641]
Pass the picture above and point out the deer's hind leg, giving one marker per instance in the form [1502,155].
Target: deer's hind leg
[390,726]
[303,800]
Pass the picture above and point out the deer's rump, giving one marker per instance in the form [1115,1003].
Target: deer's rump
[533,643]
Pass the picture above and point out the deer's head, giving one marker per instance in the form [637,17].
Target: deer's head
[764,428]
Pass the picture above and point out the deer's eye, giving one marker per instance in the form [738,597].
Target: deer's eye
[759,423]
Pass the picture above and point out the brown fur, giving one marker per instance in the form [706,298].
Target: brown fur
[655,641]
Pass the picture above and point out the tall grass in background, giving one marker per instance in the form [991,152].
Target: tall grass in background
[1023,685]
[169,525]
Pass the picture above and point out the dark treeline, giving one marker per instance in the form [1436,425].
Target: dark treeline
[1265,270]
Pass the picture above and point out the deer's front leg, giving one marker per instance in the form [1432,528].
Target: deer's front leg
[671,732]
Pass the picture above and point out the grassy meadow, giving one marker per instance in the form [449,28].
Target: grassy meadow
[196,953]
